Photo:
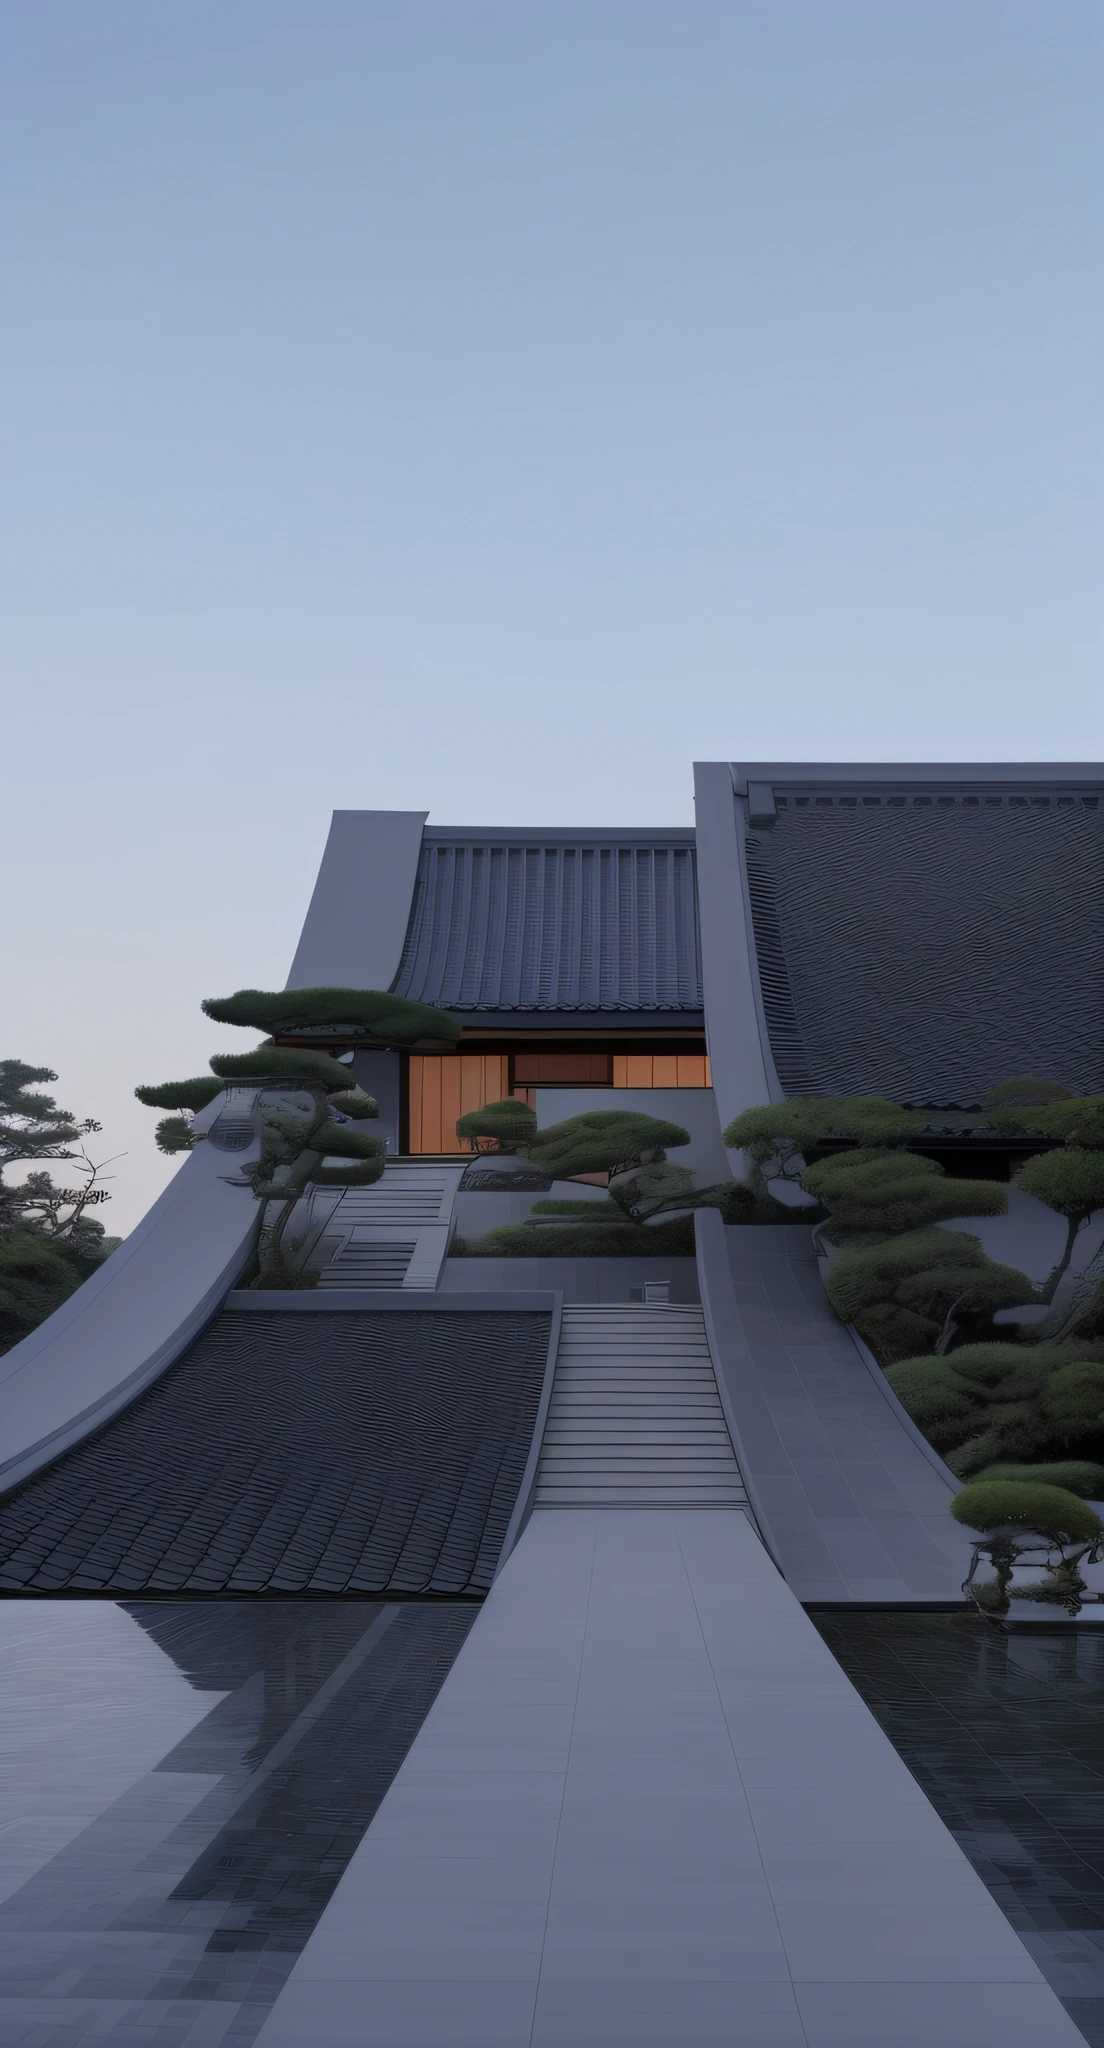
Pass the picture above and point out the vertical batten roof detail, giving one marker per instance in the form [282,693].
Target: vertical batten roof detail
[554,922]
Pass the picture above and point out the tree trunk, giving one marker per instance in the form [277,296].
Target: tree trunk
[1050,1287]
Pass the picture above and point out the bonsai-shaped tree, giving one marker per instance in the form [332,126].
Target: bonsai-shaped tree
[958,1295]
[303,1135]
[508,1126]
[1070,1180]
[880,1193]
[1019,1522]
[372,1018]
[778,1136]
[49,1242]
[626,1144]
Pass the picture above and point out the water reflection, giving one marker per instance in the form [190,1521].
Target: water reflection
[183,1785]
[1004,1733]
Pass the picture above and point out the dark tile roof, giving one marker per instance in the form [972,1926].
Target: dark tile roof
[324,1452]
[506,924]
[926,945]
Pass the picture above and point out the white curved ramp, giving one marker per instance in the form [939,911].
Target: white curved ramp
[130,1321]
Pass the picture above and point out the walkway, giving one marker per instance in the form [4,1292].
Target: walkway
[649,1811]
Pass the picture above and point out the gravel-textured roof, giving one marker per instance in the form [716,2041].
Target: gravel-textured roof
[316,1452]
[927,945]
[502,925]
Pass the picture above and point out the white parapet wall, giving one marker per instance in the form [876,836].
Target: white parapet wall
[132,1319]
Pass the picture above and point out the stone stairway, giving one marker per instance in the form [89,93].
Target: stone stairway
[635,1419]
[394,1233]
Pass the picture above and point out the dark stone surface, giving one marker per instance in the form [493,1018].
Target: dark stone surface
[926,947]
[324,1453]
[140,1928]
[1003,1731]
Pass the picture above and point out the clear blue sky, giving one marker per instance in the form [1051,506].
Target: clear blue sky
[494,407]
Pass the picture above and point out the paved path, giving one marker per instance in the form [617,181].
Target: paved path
[649,1811]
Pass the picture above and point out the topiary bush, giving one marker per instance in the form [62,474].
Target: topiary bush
[282,1063]
[1027,1090]
[1074,1475]
[893,1332]
[891,1192]
[509,1122]
[861,1277]
[1010,1504]
[940,1404]
[174,1134]
[1072,1401]
[194,1094]
[604,1141]
[385,1016]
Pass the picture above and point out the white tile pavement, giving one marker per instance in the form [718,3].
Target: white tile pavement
[648,1810]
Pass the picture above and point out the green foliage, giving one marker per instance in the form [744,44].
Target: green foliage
[345,1141]
[893,1332]
[1072,1401]
[387,1017]
[1070,1181]
[780,1130]
[860,1278]
[645,1190]
[355,1102]
[939,1402]
[1075,1475]
[1002,1504]
[603,1141]
[1078,1121]
[174,1134]
[1027,1090]
[36,1276]
[897,1191]
[971,1291]
[193,1094]
[352,1176]
[1007,1372]
[1012,1430]
[576,1241]
[1090,1322]
[510,1122]
[282,1063]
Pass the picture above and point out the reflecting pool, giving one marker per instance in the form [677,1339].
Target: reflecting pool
[1005,1733]
[181,1786]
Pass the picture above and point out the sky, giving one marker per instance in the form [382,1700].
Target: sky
[492,408]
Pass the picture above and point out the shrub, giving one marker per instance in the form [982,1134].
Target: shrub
[1070,1180]
[782,1130]
[1072,1401]
[860,1278]
[373,1010]
[603,1141]
[35,1278]
[956,1294]
[897,1191]
[1004,1504]
[937,1400]
[510,1121]
[194,1094]
[1013,1429]
[1078,1121]
[1006,1372]
[282,1063]
[1074,1475]
[355,1102]
[344,1141]
[1090,1323]
[1027,1090]
[893,1332]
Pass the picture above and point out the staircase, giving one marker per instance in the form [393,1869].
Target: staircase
[395,1232]
[635,1419]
